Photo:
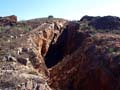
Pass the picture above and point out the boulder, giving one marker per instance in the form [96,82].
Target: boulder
[8,20]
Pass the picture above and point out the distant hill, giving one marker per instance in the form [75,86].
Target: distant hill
[106,22]
[37,21]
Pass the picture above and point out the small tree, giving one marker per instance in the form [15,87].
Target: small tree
[50,17]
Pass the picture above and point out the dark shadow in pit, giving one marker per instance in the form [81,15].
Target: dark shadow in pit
[56,51]
[67,43]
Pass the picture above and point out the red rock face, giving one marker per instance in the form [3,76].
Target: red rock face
[93,66]
[12,18]
[89,62]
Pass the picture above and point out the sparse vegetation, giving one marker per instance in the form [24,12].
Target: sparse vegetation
[33,72]
[24,28]
[2,28]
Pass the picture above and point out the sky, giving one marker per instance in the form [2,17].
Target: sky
[68,9]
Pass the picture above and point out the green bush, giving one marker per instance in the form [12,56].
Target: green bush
[2,28]
[50,17]
[111,50]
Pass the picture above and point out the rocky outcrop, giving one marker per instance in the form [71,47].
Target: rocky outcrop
[8,20]
[22,65]
[59,55]
[102,23]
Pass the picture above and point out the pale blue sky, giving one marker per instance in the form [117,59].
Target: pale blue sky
[69,9]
